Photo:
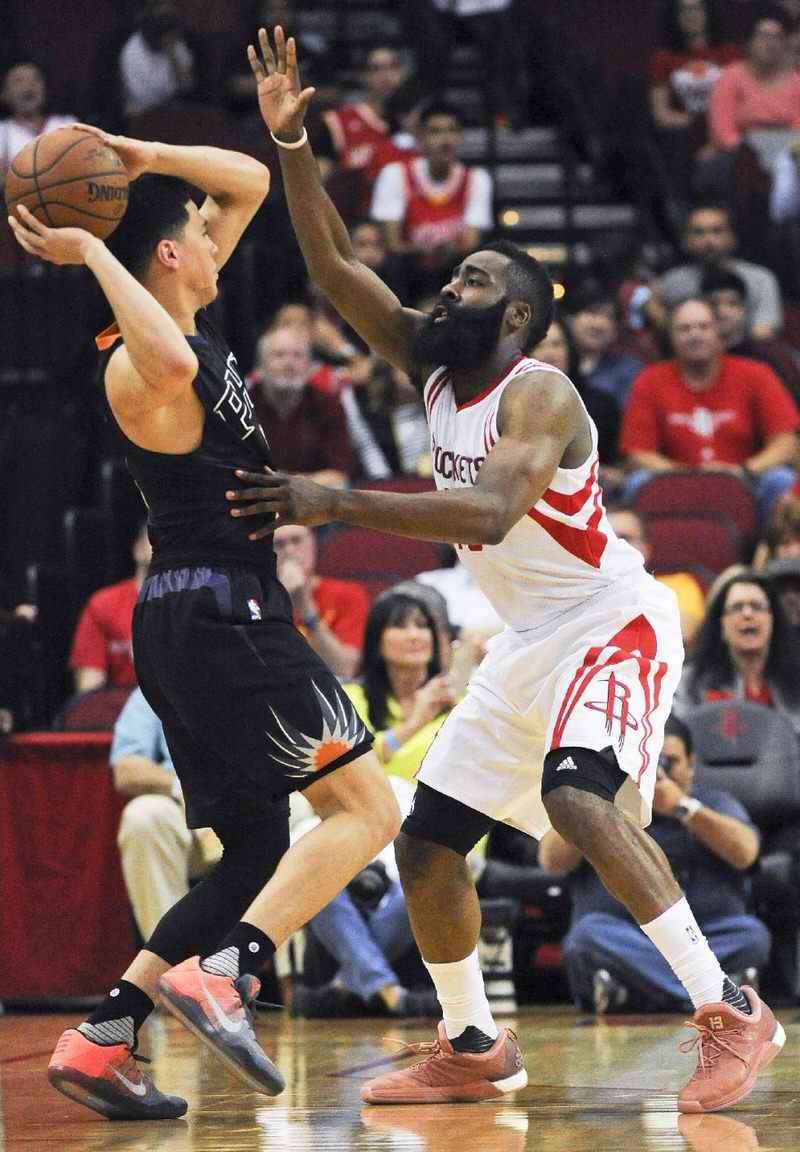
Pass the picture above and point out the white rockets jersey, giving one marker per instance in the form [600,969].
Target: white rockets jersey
[563,549]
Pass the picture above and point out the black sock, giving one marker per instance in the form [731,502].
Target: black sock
[245,949]
[733,995]
[472,1040]
[119,1016]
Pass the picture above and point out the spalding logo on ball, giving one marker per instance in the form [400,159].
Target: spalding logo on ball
[69,178]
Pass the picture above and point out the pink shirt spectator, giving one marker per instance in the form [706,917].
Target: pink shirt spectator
[738,105]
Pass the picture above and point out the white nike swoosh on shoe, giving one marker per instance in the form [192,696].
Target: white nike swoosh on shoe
[136,1089]
[223,1020]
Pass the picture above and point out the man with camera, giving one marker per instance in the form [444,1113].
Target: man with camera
[710,843]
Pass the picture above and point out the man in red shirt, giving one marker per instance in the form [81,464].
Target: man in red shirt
[331,614]
[101,649]
[704,409]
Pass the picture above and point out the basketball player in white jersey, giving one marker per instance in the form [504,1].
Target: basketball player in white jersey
[563,723]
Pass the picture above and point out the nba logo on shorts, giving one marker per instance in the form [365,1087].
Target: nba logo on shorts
[255,609]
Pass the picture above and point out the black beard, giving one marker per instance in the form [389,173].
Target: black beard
[466,339]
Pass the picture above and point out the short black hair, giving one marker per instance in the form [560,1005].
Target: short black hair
[723,280]
[676,727]
[156,211]
[527,279]
[440,108]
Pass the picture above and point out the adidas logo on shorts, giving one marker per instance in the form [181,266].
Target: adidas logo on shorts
[567,765]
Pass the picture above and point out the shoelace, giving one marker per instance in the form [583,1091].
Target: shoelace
[433,1048]
[709,1044]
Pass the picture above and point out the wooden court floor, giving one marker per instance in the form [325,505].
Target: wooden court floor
[604,1086]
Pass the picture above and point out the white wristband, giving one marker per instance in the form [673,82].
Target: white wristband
[293,144]
[686,808]
[176,792]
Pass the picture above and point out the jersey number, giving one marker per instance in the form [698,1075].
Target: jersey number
[471,547]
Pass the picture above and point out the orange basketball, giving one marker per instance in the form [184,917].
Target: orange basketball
[69,178]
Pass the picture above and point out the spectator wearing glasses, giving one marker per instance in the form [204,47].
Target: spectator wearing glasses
[745,650]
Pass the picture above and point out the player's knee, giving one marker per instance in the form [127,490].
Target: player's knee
[422,862]
[576,783]
[387,822]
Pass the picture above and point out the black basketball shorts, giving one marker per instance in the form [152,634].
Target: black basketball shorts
[250,712]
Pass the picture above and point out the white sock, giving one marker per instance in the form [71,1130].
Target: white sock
[459,986]
[678,938]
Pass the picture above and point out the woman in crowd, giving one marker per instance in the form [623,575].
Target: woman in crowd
[744,650]
[402,694]
[683,70]
[757,94]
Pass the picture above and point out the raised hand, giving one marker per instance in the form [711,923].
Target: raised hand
[281,101]
[58,245]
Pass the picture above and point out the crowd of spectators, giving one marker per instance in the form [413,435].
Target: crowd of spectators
[694,366]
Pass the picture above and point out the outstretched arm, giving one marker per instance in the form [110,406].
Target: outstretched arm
[539,417]
[356,292]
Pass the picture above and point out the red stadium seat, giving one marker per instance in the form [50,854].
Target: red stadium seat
[683,541]
[95,711]
[690,490]
[361,553]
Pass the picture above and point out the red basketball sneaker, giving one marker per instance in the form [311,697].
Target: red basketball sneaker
[217,1010]
[108,1079]
[732,1048]
[450,1076]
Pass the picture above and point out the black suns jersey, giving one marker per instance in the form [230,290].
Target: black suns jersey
[189,519]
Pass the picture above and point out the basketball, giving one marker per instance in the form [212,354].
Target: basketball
[69,178]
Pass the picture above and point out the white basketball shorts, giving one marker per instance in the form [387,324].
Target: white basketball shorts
[602,674]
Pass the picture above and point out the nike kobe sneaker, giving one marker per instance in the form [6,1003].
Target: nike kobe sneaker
[217,1009]
[107,1079]
[732,1048]
[447,1076]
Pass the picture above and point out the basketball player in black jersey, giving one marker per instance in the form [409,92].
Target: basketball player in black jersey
[250,712]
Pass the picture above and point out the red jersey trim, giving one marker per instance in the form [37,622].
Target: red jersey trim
[435,389]
[456,184]
[494,384]
[587,544]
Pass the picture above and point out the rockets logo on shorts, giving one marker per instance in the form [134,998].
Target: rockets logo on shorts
[616,707]
[255,608]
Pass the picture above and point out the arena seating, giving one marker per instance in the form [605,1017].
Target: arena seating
[689,490]
[753,753]
[687,541]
